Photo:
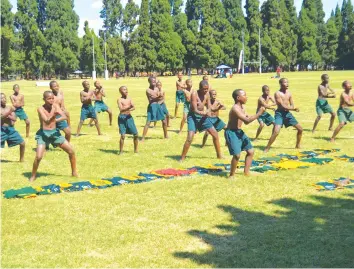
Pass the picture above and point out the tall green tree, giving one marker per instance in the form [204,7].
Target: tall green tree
[7,35]
[236,18]
[330,53]
[347,20]
[291,31]
[62,35]
[130,17]
[115,55]
[90,40]
[338,18]
[147,56]
[112,15]
[33,41]
[254,23]
[169,47]
[322,32]
[42,14]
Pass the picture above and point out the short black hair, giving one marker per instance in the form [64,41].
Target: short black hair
[150,78]
[264,88]
[281,80]
[323,75]
[51,83]
[345,82]
[203,83]
[205,76]
[236,93]
[46,93]
[84,82]
[15,86]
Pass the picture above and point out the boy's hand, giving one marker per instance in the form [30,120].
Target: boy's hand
[297,109]
[262,109]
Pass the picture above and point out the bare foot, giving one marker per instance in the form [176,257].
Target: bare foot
[220,157]
[22,160]
[265,150]
[332,140]
[32,179]
[100,134]
[179,132]
[298,147]
[142,140]
[182,159]
[136,152]
[77,135]
[232,176]
[330,129]
[255,139]
[74,174]
[120,152]
[313,131]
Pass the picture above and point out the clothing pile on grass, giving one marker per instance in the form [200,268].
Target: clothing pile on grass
[272,164]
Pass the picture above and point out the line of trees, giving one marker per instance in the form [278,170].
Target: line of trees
[42,39]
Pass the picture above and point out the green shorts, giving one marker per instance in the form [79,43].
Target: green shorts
[47,137]
[87,111]
[126,125]
[345,115]
[285,118]
[100,106]
[11,136]
[199,123]
[164,109]
[217,123]
[186,107]
[180,97]
[154,112]
[20,113]
[61,125]
[322,107]
[237,141]
[266,118]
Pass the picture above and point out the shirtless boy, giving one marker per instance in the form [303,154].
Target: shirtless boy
[49,134]
[87,109]
[322,106]
[8,132]
[100,106]
[162,103]
[283,116]
[344,113]
[235,137]
[266,101]
[125,120]
[59,100]
[199,119]
[154,110]
[186,107]
[180,86]
[18,101]
[215,107]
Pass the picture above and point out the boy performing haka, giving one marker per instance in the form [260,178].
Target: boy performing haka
[87,110]
[125,120]
[8,132]
[344,112]
[49,134]
[163,104]
[265,118]
[180,86]
[59,100]
[322,106]
[236,139]
[199,120]
[215,106]
[18,101]
[186,107]
[285,104]
[154,111]
[100,106]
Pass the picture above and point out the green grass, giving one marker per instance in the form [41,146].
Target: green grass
[268,220]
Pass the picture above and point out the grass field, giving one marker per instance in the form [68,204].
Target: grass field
[267,220]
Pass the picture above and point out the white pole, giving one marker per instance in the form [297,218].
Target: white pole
[93,59]
[105,57]
[260,52]
[243,54]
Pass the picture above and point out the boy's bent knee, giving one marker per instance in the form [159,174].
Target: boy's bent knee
[236,156]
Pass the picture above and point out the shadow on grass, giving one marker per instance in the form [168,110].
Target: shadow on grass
[40,174]
[304,234]
[111,151]
[7,161]
[328,138]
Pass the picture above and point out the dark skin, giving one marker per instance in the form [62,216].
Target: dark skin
[237,117]
[47,117]
[99,94]
[153,95]
[161,101]
[180,85]
[8,118]
[215,107]
[59,100]
[284,101]
[126,105]
[187,94]
[86,97]
[346,101]
[324,92]
[267,102]
[18,100]
[200,99]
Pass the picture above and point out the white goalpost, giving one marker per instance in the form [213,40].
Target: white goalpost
[242,59]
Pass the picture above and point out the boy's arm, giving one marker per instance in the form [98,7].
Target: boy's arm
[194,106]
[12,100]
[332,92]
[263,102]
[22,100]
[61,113]
[132,107]
[44,117]
[187,94]
[346,100]
[103,92]
[280,102]
[245,118]
[7,113]
[273,101]
[220,106]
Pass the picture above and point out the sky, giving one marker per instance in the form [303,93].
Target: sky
[90,10]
